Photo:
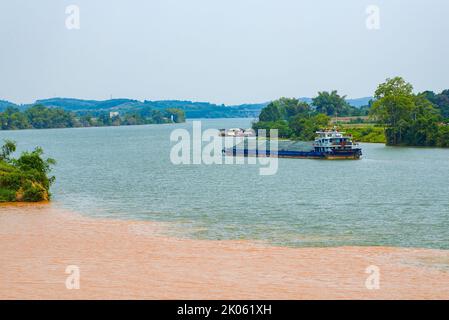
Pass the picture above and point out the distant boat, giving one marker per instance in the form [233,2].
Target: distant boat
[328,145]
[237,132]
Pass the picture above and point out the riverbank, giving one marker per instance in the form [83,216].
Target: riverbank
[368,133]
[130,259]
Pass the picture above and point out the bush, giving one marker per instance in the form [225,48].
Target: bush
[367,134]
[7,195]
[443,136]
[25,178]
[34,192]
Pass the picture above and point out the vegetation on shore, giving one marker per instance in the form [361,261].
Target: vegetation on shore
[299,120]
[396,116]
[410,119]
[191,109]
[366,133]
[25,178]
[41,117]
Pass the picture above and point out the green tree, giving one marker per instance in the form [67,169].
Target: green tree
[271,113]
[86,120]
[34,163]
[293,119]
[392,108]
[423,127]
[283,109]
[396,86]
[408,119]
[305,128]
[330,103]
[296,108]
[41,117]
[178,115]
[104,119]
[284,130]
[25,178]
[157,116]
[443,136]
[442,102]
[6,150]
[13,119]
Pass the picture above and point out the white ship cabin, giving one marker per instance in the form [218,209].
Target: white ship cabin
[328,141]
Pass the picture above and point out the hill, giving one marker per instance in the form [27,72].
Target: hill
[5,104]
[191,109]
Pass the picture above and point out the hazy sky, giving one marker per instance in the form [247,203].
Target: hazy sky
[223,51]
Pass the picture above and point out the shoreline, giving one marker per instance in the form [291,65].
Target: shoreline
[121,259]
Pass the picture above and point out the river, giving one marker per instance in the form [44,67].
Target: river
[392,197]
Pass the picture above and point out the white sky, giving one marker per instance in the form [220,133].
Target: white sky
[223,51]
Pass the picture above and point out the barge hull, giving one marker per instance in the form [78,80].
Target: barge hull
[355,155]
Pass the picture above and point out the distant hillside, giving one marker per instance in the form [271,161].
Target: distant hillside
[209,110]
[84,105]
[5,104]
[191,109]
[360,102]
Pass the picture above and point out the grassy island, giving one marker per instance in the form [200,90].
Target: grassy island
[25,179]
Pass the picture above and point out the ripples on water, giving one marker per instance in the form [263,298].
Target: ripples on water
[394,196]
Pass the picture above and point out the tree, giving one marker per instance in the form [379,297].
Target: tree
[271,112]
[34,163]
[430,95]
[330,103]
[284,130]
[393,106]
[25,178]
[103,119]
[443,136]
[442,103]
[305,128]
[297,108]
[157,116]
[131,119]
[393,87]
[41,117]
[408,119]
[13,119]
[86,120]
[293,119]
[423,127]
[6,150]
[178,115]
[283,109]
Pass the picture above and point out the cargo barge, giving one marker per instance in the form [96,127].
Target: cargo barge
[328,145]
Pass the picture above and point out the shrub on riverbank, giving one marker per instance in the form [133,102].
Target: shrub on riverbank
[26,178]
[367,133]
